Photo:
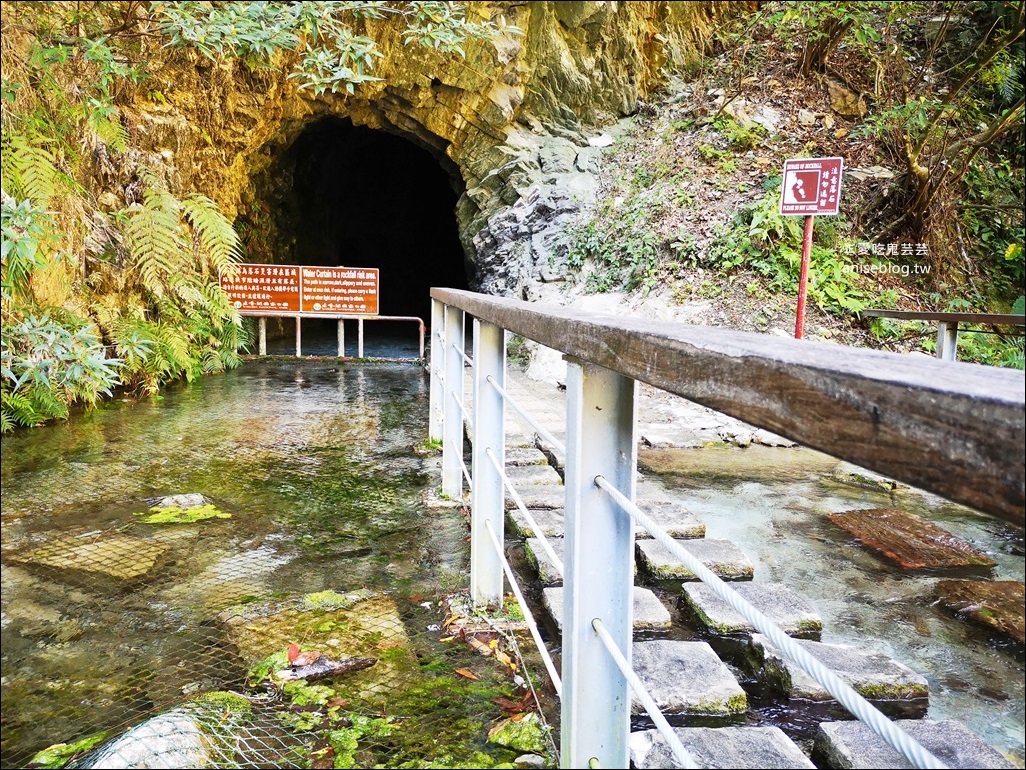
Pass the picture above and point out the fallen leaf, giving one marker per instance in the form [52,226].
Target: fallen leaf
[306,658]
[505,660]
[293,652]
[447,638]
[388,645]
[518,717]
[337,703]
[416,598]
[468,674]
[478,645]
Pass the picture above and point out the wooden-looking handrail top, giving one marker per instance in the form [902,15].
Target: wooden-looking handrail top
[997,319]
[956,429]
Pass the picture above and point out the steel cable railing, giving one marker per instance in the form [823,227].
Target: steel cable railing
[557,562]
[858,706]
[532,625]
[680,753]
[545,434]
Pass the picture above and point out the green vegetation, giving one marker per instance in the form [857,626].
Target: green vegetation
[175,515]
[58,755]
[931,94]
[110,272]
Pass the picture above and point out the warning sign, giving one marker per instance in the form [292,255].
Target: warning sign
[811,186]
[340,290]
[269,288]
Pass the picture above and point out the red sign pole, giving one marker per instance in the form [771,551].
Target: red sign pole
[803,278]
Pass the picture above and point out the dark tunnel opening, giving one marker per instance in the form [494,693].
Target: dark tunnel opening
[367,198]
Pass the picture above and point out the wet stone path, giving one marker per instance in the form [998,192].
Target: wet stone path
[705,665]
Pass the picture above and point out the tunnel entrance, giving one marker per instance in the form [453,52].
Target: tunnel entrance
[367,198]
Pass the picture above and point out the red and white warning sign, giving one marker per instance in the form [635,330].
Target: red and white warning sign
[811,186]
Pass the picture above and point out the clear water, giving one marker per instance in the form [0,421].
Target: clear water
[864,599]
[314,463]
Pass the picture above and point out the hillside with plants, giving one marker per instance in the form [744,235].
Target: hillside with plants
[923,101]
[126,161]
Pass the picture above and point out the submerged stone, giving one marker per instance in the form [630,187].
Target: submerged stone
[520,456]
[188,500]
[853,745]
[172,514]
[726,560]
[757,748]
[120,557]
[778,602]
[993,604]
[649,612]
[872,674]
[686,678]
[909,540]
[548,573]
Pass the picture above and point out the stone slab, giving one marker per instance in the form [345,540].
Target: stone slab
[547,572]
[852,744]
[778,602]
[649,612]
[993,604]
[548,520]
[521,456]
[686,678]
[115,556]
[726,560]
[550,497]
[532,475]
[872,674]
[677,520]
[746,748]
[909,540]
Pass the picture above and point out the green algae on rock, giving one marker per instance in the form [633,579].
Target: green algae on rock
[175,515]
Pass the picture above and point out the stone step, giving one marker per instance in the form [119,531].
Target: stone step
[674,518]
[520,456]
[997,605]
[726,560]
[778,602]
[739,747]
[550,497]
[649,612]
[548,575]
[532,475]
[872,674]
[687,678]
[549,520]
[677,520]
[853,744]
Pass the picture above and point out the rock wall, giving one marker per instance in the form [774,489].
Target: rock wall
[510,122]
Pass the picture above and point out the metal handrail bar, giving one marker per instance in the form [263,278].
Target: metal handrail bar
[958,431]
[466,474]
[553,441]
[681,754]
[532,625]
[862,709]
[527,514]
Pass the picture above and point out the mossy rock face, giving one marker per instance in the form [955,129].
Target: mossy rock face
[527,735]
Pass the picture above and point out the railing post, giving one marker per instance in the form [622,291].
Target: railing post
[947,340]
[452,416]
[437,370]
[341,338]
[599,565]
[487,493]
[262,336]
[299,336]
[359,338]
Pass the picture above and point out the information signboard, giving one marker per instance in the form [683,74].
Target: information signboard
[811,186]
[340,290]
[272,289]
[289,289]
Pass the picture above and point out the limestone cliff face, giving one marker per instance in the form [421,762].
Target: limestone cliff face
[508,122]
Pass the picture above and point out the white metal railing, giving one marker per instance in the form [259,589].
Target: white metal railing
[262,317]
[600,460]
